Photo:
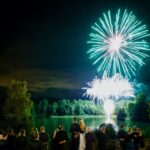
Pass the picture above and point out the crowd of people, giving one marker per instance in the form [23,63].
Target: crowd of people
[82,138]
[132,139]
[10,140]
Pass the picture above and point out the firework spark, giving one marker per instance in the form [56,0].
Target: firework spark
[118,44]
[106,88]
[109,107]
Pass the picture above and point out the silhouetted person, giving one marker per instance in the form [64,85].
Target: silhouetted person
[44,137]
[2,140]
[135,138]
[141,139]
[90,139]
[122,137]
[82,135]
[1,134]
[35,131]
[102,138]
[35,144]
[54,140]
[61,138]
[75,130]
[129,139]
[11,140]
[22,140]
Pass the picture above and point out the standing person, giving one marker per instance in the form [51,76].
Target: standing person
[44,137]
[3,138]
[129,139]
[141,139]
[102,138]
[90,139]
[82,135]
[35,131]
[61,138]
[135,138]
[1,134]
[75,130]
[22,140]
[122,137]
[35,144]
[54,142]
[11,140]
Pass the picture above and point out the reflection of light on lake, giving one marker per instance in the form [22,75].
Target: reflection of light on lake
[94,123]
[91,121]
[111,121]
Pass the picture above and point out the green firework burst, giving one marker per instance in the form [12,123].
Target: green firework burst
[118,43]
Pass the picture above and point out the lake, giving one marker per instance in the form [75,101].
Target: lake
[91,121]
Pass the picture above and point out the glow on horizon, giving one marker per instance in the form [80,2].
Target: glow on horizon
[118,43]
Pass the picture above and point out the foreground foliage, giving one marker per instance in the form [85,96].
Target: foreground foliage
[140,110]
[17,109]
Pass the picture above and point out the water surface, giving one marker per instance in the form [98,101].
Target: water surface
[91,121]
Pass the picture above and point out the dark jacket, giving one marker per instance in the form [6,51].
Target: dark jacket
[21,142]
[90,139]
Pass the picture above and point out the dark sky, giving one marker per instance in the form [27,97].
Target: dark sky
[45,42]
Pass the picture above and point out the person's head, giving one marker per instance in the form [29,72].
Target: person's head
[75,119]
[103,129]
[122,126]
[129,130]
[140,132]
[134,129]
[36,136]
[60,127]
[81,121]
[35,129]
[89,130]
[10,131]
[22,132]
[42,129]
[138,129]
[1,131]
[101,125]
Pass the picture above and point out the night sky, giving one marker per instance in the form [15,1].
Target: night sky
[44,43]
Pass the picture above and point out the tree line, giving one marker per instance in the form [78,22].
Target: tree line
[67,107]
